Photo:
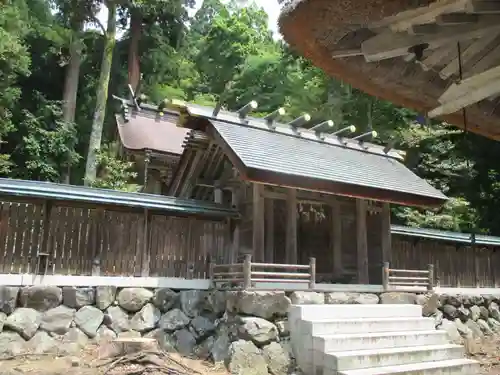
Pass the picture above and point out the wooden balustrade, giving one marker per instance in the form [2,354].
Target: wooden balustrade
[245,275]
[392,277]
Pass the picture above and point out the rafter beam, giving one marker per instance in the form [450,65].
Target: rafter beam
[458,18]
[387,45]
[470,55]
[470,91]
[483,6]
[405,20]
[438,56]
[488,61]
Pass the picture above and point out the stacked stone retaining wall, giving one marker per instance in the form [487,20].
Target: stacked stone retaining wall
[246,330]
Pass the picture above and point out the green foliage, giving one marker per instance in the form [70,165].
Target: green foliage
[47,145]
[114,173]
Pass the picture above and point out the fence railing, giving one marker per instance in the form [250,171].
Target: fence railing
[245,275]
[392,277]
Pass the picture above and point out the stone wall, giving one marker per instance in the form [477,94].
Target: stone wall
[246,330]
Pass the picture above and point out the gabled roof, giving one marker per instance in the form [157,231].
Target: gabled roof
[147,130]
[302,159]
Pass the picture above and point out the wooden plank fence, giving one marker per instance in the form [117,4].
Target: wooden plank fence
[61,240]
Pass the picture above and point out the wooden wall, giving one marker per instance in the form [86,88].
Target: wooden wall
[78,237]
[455,265]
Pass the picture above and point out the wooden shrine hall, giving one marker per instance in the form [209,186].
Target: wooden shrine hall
[301,192]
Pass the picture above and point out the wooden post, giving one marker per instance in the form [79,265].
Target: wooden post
[42,260]
[247,272]
[235,245]
[336,241]
[386,232]
[312,271]
[211,272]
[430,286]
[269,234]
[385,276]
[476,259]
[258,222]
[145,244]
[361,241]
[291,226]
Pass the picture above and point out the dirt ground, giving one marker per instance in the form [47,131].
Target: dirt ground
[86,363]
[488,354]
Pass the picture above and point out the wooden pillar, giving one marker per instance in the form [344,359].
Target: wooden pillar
[386,232]
[235,245]
[291,227]
[336,242]
[362,241]
[258,222]
[146,250]
[269,234]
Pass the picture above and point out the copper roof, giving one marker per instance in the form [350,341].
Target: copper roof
[145,130]
[319,29]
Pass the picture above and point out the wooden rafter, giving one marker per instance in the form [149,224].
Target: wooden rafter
[468,92]
[387,45]
[470,55]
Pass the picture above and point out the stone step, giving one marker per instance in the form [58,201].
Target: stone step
[360,325]
[380,340]
[361,359]
[448,367]
[311,312]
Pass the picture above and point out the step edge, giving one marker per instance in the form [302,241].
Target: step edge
[356,320]
[400,349]
[380,334]
[417,366]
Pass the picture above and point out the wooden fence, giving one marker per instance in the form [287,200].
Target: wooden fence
[245,275]
[393,277]
[62,240]
[455,264]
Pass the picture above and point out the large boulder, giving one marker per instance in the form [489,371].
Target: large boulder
[88,319]
[41,298]
[58,319]
[262,304]
[277,359]
[11,343]
[259,330]
[78,297]
[145,319]
[367,299]
[202,326]
[494,311]
[245,358]
[450,311]
[395,298]
[166,341]
[165,298]
[24,321]
[340,298]
[184,342]
[204,348]
[452,331]
[173,320]
[215,302]
[307,298]
[42,343]
[220,347]
[133,299]
[8,299]
[429,302]
[192,302]
[3,318]
[485,328]
[117,319]
[105,296]
[475,313]
[104,334]
[73,341]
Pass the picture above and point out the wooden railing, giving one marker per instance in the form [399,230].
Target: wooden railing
[407,278]
[245,275]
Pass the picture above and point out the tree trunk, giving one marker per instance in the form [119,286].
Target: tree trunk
[71,83]
[134,68]
[102,95]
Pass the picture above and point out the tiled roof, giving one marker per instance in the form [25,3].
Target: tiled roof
[146,131]
[271,151]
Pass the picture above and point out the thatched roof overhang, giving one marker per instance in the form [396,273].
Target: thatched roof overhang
[279,154]
[334,35]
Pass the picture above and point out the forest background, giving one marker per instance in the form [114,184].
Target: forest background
[59,65]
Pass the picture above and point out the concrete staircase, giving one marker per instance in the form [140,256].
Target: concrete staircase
[373,340]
